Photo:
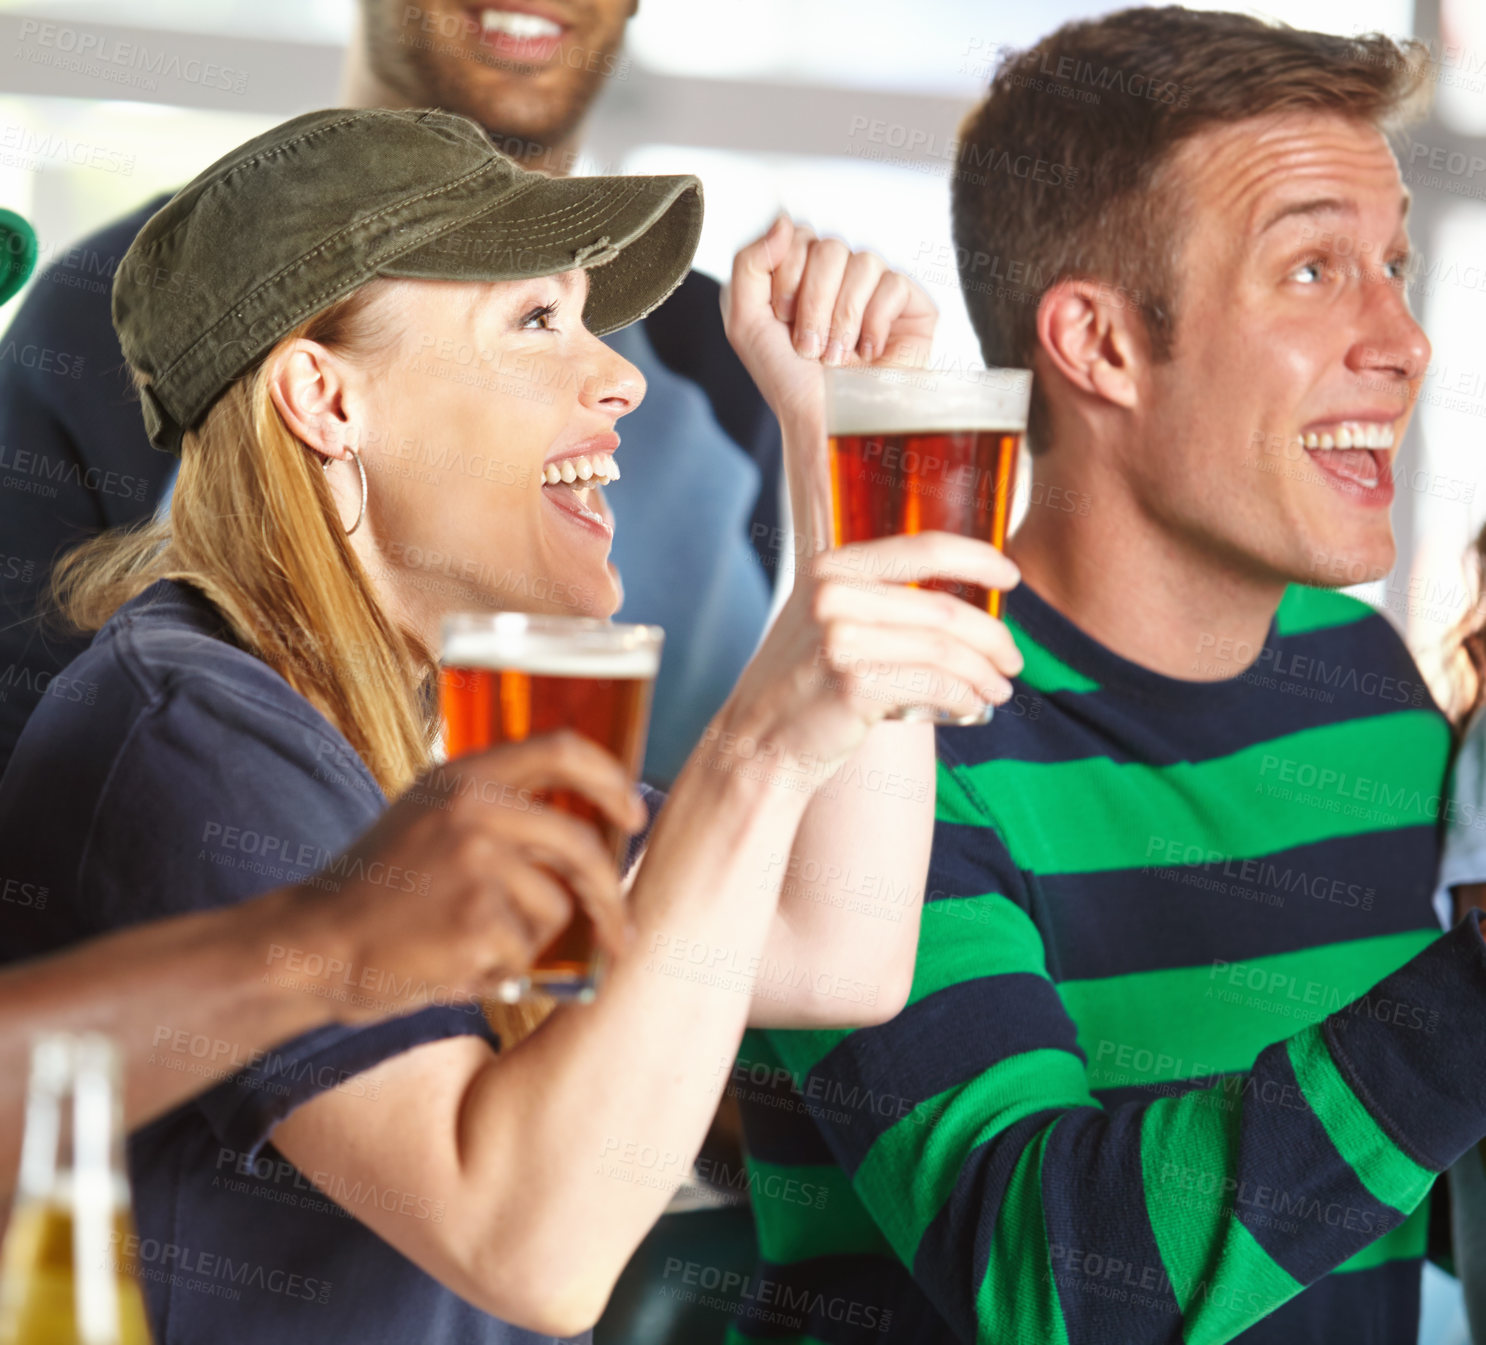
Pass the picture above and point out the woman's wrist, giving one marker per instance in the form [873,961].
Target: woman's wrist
[746,761]
[807,471]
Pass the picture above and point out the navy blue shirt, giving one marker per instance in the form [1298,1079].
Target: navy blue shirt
[166,770]
[698,499]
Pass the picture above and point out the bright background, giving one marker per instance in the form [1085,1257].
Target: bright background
[765,100]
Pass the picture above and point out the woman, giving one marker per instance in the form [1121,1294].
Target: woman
[1462,887]
[372,339]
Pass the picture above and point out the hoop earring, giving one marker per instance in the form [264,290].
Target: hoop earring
[356,457]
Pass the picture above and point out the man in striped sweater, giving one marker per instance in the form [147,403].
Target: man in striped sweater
[1183,1054]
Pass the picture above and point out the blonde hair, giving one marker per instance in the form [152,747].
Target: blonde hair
[254,527]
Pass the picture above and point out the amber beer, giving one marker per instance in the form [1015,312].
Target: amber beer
[505,677]
[918,450]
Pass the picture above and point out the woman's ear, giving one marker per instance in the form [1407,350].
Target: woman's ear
[307,385]
[1091,335]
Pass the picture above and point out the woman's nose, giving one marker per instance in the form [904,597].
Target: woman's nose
[613,385]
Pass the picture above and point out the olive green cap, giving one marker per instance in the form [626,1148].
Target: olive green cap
[302,215]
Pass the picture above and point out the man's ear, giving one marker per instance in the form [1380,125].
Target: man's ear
[307,386]
[1092,336]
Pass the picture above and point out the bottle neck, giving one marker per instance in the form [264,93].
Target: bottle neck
[72,1151]
[66,1266]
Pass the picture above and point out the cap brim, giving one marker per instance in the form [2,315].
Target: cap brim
[634,235]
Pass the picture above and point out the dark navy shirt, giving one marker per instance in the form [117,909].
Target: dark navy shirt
[698,500]
[166,770]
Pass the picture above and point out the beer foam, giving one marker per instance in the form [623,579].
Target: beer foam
[544,655]
[885,400]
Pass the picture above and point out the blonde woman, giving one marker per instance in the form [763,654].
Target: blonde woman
[1462,887]
[373,341]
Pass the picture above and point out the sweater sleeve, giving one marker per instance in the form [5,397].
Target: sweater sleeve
[1016,1201]
[74,457]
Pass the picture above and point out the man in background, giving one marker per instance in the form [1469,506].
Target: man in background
[701,457]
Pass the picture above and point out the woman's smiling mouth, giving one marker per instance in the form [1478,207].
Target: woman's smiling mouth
[599,468]
[584,504]
[573,481]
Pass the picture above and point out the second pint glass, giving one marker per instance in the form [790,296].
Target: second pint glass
[920,450]
[505,677]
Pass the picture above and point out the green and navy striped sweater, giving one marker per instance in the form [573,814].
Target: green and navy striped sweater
[1184,1050]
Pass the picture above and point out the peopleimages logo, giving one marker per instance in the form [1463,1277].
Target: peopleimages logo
[194,1268]
[792,1304]
[133,64]
[279,1180]
[35,473]
[43,359]
[22,147]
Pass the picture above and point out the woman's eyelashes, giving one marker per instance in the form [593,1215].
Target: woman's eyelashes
[539,319]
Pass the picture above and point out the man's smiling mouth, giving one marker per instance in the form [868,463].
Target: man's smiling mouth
[1355,452]
[518,34]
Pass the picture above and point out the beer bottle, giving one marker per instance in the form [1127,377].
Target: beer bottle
[67,1274]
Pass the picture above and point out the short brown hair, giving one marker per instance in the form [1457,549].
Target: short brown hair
[1100,105]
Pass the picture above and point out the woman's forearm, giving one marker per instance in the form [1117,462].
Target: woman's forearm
[807,474]
[852,882]
[852,889]
[574,1142]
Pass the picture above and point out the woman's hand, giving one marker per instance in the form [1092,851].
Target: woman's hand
[797,302]
[854,641]
[469,875]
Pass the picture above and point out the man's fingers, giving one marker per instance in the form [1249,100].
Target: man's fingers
[569,846]
[510,774]
[570,761]
[595,887]
[538,903]
[610,914]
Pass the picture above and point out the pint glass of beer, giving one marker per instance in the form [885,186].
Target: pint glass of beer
[505,677]
[919,450]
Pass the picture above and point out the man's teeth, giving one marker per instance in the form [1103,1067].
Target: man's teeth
[599,468]
[1353,435]
[518,25]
